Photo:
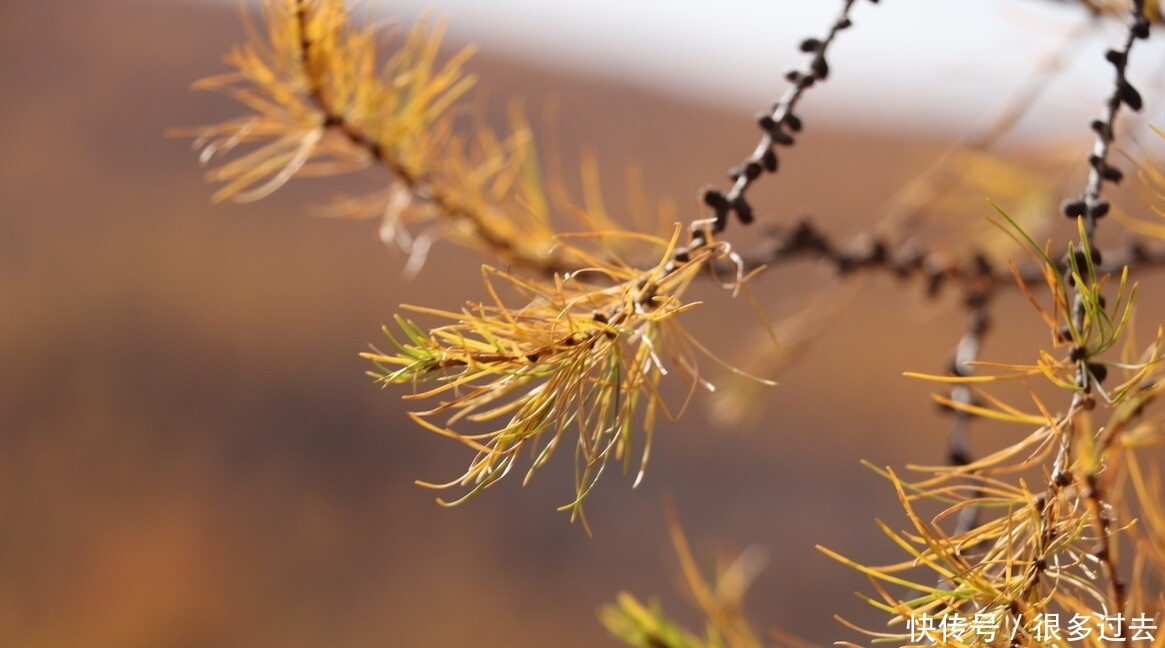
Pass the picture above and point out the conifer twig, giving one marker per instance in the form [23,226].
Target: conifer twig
[870,253]
[778,126]
[1090,206]
[1088,210]
[333,117]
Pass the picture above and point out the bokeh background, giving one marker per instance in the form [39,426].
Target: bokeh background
[192,456]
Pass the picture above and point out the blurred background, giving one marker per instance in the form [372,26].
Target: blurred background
[191,454]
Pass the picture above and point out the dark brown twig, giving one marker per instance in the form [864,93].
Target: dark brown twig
[1089,209]
[778,126]
[1090,206]
[907,260]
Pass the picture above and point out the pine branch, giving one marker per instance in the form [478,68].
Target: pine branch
[315,67]
[777,126]
[871,253]
[1089,209]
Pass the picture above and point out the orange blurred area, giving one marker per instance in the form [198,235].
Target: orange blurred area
[191,454]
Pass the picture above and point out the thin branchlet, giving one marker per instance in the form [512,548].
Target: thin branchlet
[778,127]
[1089,209]
[937,271]
[333,117]
[1090,206]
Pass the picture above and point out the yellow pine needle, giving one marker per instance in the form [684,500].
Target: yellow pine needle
[959,380]
[976,410]
[875,572]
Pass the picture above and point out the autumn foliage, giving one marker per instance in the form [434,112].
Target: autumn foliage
[584,322]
